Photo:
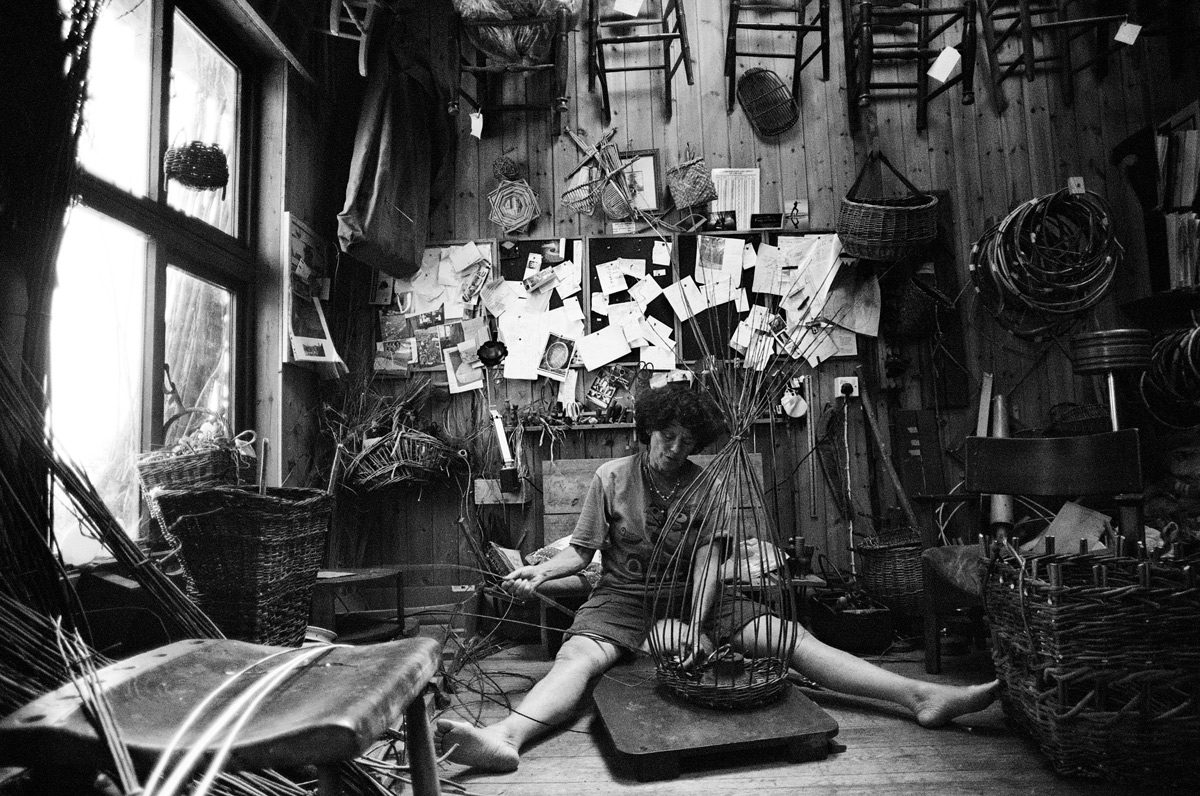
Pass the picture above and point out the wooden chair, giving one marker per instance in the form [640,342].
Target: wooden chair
[1043,33]
[489,72]
[328,711]
[1107,464]
[662,22]
[565,483]
[904,32]
[804,24]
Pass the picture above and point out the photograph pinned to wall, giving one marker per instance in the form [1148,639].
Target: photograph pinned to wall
[795,215]
[721,221]
[766,221]
[394,324]
[461,375]
[556,359]
[429,347]
[641,175]
[309,333]
[426,320]
[394,357]
[306,257]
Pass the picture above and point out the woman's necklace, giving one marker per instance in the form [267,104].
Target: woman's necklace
[667,498]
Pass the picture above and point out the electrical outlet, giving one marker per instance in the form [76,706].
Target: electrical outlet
[841,382]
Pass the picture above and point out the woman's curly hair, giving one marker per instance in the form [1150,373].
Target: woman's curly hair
[659,409]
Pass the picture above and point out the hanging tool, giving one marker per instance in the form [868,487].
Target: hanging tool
[491,354]
[885,459]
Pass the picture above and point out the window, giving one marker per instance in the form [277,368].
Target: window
[153,276]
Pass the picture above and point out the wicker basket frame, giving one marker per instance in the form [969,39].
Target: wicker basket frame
[762,682]
[1103,677]
[196,165]
[251,559]
[886,229]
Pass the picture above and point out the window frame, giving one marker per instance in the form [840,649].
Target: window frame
[188,243]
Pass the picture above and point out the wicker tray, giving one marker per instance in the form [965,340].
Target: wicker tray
[251,559]
[1104,677]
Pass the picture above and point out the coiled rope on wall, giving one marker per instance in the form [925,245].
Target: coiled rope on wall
[1046,263]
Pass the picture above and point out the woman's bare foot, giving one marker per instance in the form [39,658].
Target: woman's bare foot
[937,704]
[478,747]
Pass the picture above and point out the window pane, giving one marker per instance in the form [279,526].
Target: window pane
[205,93]
[199,322]
[96,347]
[116,131]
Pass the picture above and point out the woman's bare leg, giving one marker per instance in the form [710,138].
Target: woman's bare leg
[932,704]
[550,702]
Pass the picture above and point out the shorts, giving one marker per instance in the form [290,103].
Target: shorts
[620,618]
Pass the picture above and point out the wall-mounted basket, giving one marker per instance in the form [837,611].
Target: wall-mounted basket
[767,102]
[514,206]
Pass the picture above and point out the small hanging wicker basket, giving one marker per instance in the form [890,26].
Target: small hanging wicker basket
[615,201]
[690,182]
[505,168]
[202,167]
[767,103]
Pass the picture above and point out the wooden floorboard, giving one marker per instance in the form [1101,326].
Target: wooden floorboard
[884,752]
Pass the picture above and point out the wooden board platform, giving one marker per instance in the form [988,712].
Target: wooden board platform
[653,729]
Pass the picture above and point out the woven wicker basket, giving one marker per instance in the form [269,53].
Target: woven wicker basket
[767,102]
[251,559]
[763,681]
[198,166]
[890,568]
[690,183]
[886,229]
[1104,677]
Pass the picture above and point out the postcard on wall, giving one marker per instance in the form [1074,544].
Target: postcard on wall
[306,257]
[556,359]
[461,375]
[309,333]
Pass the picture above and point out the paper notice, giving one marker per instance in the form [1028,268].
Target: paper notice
[661,255]
[685,298]
[464,256]
[945,65]
[612,277]
[658,358]
[645,291]
[599,348]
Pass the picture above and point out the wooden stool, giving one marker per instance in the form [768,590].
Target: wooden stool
[324,607]
[325,713]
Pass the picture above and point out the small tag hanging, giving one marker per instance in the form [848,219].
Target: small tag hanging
[1127,33]
[1075,186]
[477,124]
[946,65]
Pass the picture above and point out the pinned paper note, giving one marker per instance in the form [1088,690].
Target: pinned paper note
[1127,33]
[464,256]
[630,8]
[477,124]
[612,277]
[600,303]
[657,333]
[769,274]
[525,334]
[632,267]
[719,290]
[570,278]
[661,255]
[685,298]
[645,291]
[749,256]
[599,348]
[945,65]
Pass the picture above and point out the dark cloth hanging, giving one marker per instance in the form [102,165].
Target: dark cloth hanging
[405,147]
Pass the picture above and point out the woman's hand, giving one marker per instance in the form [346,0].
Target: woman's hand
[522,582]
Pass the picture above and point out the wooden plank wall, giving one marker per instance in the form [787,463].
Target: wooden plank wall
[988,162]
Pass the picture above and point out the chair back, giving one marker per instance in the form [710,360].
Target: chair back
[1094,464]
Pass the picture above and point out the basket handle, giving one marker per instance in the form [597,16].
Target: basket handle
[877,155]
[197,411]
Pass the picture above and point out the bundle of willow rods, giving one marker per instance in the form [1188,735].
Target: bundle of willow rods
[32,432]
[1049,261]
[1171,386]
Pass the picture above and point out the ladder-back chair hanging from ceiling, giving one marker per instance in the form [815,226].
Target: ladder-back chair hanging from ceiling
[661,22]
[811,16]
[899,33]
[530,47]
[1030,37]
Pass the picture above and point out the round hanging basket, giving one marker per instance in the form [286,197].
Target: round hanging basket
[198,166]
[767,102]
[505,168]
[887,229]
[514,205]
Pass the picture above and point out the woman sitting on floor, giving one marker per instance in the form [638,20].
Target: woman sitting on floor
[623,515]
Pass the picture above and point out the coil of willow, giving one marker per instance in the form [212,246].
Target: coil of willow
[1171,386]
[1046,263]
